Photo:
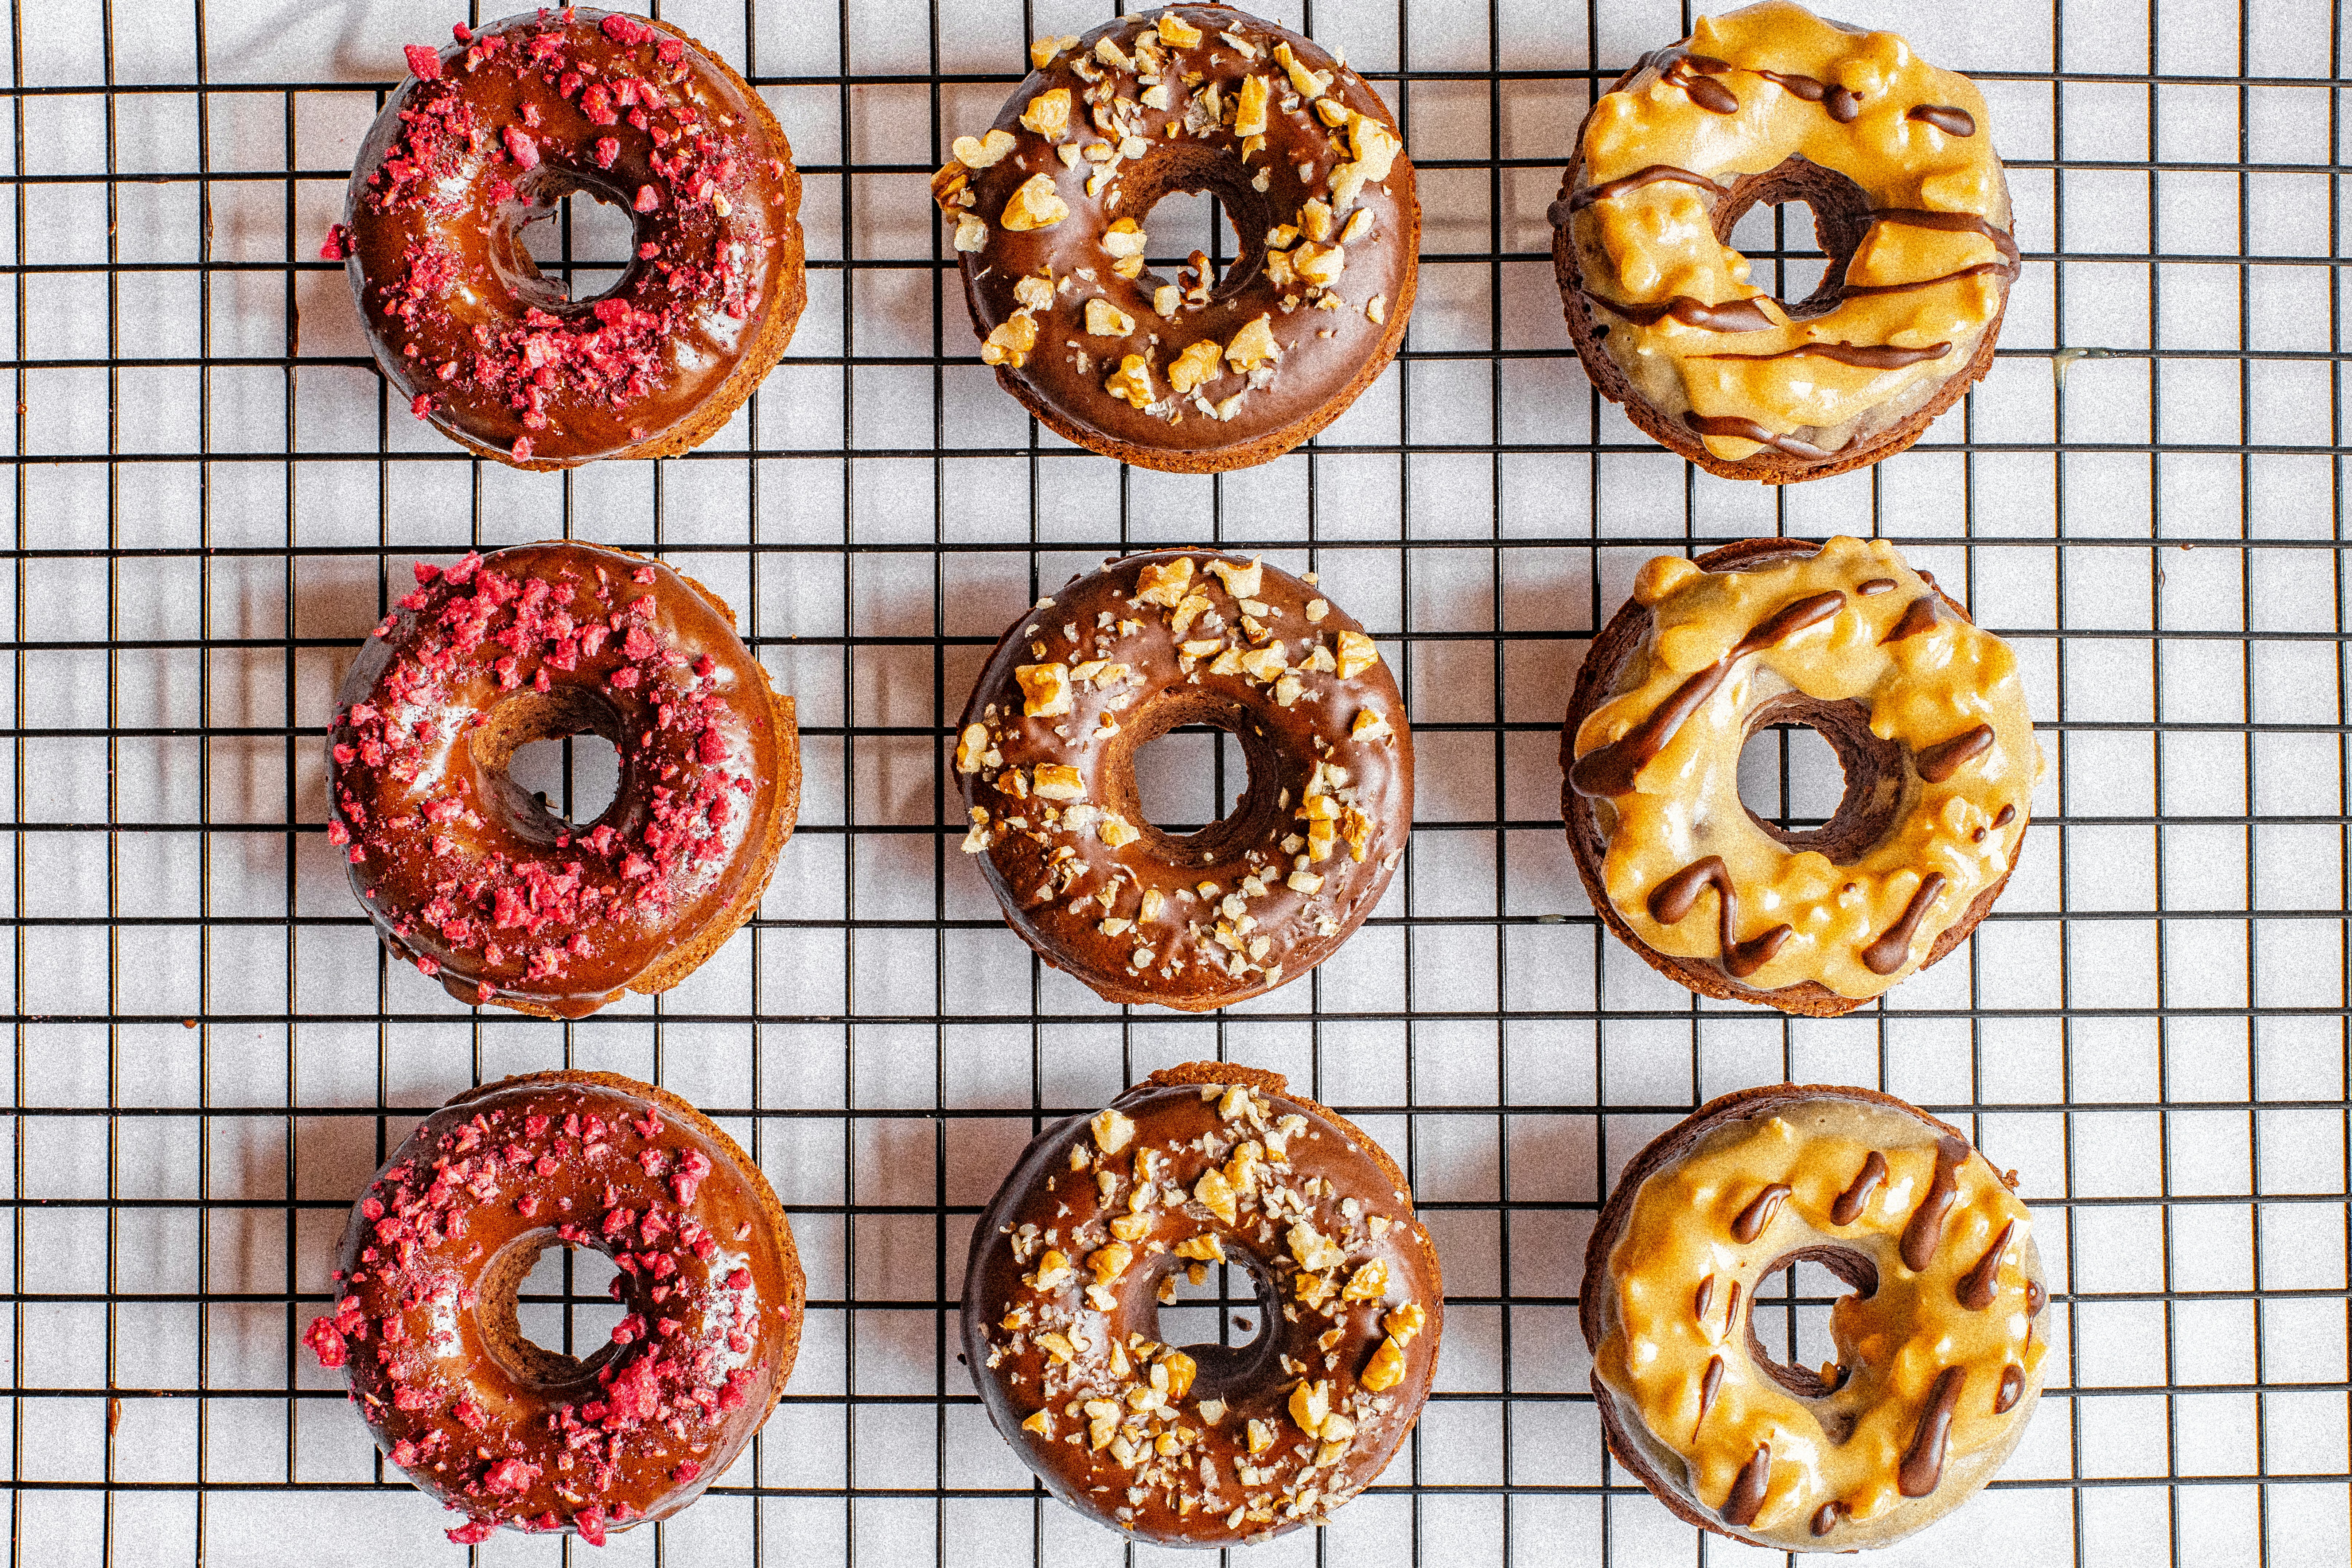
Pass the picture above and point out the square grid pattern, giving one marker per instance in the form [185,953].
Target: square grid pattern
[212,501]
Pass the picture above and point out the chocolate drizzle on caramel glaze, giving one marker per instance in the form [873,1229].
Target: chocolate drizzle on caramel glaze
[1924,615]
[2013,1384]
[1656,174]
[1950,223]
[1826,1517]
[1674,898]
[1732,316]
[1609,770]
[2035,1296]
[1925,1233]
[1747,1488]
[1980,1285]
[1758,1216]
[1694,74]
[1841,104]
[1874,587]
[1951,122]
[1923,1466]
[1864,356]
[2007,814]
[1885,956]
[1708,1387]
[1704,1299]
[1739,427]
[1865,290]
[1857,1198]
[1941,760]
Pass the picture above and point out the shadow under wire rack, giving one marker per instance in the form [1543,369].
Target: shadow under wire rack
[214,498]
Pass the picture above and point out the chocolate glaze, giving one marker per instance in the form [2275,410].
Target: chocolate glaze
[1758,1216]
[1676,897]
[1611,770]
[1951,122]
[1016,1377]
[1052,899]
[476,882]
[1923,1462]
[496,129]
[1941,760]
[1888,953]
[1980,1285]
[1328,356]
[1924,1232]
[1748,1487]
[1856,1198]
[510,1434]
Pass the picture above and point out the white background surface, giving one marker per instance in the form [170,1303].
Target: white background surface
[2151,1029]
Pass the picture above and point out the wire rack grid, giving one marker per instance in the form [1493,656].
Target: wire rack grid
[213,500]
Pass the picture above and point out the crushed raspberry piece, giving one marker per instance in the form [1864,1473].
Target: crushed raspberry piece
[627,30]
[338,244]
[649,199]
[688,1470]
[462,33]
[424,62]
[589,1520]
[421,405]
[521,148]
[474,1532]
[511,1476]
[741,1279]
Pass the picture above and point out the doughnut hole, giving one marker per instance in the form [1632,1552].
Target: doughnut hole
[1253,818]
[1818,753]
[1841,215]
[1177,192]
[1788,1319]
[566,241]
[1222,1322]
[575,778]
[546,1311]
[1188,778]
[525,719]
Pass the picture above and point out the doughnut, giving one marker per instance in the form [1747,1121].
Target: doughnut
[506,1432]
[1939,1360]
[1045,757]
[475,881]
[1926,713]
[1204,1445]
[488,136]
[1770,103]
[1193,373]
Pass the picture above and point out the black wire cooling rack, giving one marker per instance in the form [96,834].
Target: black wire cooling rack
[215,499]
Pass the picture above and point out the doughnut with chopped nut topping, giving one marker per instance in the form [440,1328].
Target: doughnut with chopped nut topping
[506,1432]
[1203,1444]
[1045,760]
[486,137]
[1191,373]
[472,878]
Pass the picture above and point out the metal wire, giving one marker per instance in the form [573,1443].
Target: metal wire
[211,1052]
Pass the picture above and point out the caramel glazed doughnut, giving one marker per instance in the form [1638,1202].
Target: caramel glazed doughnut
[1928,718]
[1045,760]
[1203,1444]
[506,1432]
[1771,103]
[475,881]
[488,136]
[1191,375]
[1938,1362]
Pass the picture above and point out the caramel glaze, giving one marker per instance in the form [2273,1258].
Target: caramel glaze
[1249,902]
[1327,356]
[1350,1308]
[476,882]
[501,1430]
[495,129]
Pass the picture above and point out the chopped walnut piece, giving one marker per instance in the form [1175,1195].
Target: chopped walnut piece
[1312,85]
[1126,238]
[1052,1271]
[1404,1322]
[971,747]
[1043,52]
[1243,582]
[1113,1129]
[1153,900]
[1131,381]
[1117,831]
[972,232]
[1041,1423]
[1167,299]
[1182,1370]
[1194,606]
[1377,307]
[1105,320]
[1058,781]
[1304,882]
[1165,583]
[1356,828]
[1130,1226]
[1202,1248]
[1102,1421]
[1213,1192]
[1011,340]
[1315,219]
[1196,365]
[1314,1250]
[1265,663]
[1320,264]
[1369,1283]
[1107,51]
[1360,223]
[1109,1262]
[1045,688]
[1174,30]
[1034,292]
[1036,204]
[1331,111]
[1357,655]
[1260,1437]
[1386,1369]
[1253,345]
[1371,724]
[1376,148]
[1310,1405]
[1048,113]
[1249,114]
[983,152]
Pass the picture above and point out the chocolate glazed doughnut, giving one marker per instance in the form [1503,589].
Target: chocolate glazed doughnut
[1045,760]
[488,136]
[1206,1445]
[1193,374]
[1939,1354]
[1771,103]
[474,880]
[504,1431]
[1927,715]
